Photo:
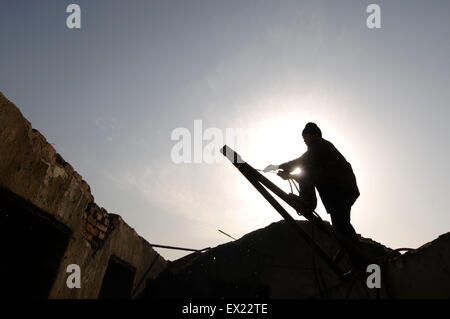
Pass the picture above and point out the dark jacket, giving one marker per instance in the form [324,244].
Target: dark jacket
[330,172]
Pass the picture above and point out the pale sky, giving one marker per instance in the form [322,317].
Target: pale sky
[109,96]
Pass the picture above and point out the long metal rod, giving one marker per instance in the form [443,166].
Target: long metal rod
[227,234]
[286,198]
[179,248]
[245,169]
[348,245]
[291,221]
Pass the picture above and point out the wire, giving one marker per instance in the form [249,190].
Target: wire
[290,185]
[295,184]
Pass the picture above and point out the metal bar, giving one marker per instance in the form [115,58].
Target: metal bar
[291,221]
[244,169]
[179,248]
[285,197]
[227,234]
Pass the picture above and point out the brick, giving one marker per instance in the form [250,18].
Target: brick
[99,216]
[106,222]
[101,235]
[91,229]
[102,228]
[88,236]
[91,220]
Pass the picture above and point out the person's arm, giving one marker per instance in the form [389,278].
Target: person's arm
[298,162]
[289,166]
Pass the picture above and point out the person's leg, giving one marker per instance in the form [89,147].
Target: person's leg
[340,219]
[307,194]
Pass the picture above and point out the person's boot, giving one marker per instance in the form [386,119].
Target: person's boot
[308,206]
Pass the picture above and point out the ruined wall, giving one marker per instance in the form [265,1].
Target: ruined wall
[31,169]
[423,272]
[273,262]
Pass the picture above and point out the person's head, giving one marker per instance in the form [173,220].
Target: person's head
[310,133]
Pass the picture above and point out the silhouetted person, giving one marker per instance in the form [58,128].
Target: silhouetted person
[323,167]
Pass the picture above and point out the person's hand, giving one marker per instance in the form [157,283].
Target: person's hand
[270,168]
[284,174]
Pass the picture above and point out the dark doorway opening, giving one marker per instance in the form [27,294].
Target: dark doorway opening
[118,280]
[32,244]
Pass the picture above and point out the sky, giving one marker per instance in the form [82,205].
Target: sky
[110,95]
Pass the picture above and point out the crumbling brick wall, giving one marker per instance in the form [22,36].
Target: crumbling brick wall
[98,224]
[31,168]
